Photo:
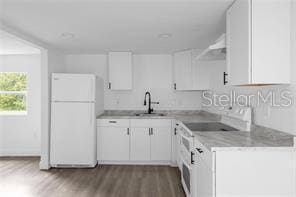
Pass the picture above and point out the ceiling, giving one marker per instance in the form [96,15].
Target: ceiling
[99,26]
[9,45]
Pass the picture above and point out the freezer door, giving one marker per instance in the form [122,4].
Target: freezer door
[73,87]
[73,134]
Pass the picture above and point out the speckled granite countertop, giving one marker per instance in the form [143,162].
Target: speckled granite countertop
[184,116]
[260,138]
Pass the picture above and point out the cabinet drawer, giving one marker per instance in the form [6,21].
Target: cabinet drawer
[151,123]
[113,122]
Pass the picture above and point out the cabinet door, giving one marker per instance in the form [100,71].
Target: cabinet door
[140,144]
[239,43]
[255,173]
[161,144]
[183,70]
[120,70]
[271,41]
[178,155]
[114,143]
[204,178]
[174,145]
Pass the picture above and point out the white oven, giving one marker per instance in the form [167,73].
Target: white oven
[186,163]
[187,176]
[233,118]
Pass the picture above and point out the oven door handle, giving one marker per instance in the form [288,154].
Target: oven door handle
[186,164]
[191,157]
[184,136]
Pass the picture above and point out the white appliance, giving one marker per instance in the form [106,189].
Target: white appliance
[186,158]
[76,99]
[235,118]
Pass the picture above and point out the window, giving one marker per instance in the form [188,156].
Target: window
[13,93]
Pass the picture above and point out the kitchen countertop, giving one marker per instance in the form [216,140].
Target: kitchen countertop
[259,138]
[184,116]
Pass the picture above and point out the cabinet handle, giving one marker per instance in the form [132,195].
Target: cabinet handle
[110,85]
[191,157]
[175,131]
[224,78]
[112,121]
[175,86]
[128,131]
[151,131]
[199,150]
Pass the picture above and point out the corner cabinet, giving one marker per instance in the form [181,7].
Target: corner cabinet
[120,70]
[258,42]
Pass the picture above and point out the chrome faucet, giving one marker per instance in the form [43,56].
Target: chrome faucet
[150,110]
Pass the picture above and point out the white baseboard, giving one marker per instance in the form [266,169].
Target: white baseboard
[19,153]
[44,165]
[165,163]
[173,165]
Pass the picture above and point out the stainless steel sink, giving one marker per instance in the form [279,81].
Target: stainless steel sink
[149,115]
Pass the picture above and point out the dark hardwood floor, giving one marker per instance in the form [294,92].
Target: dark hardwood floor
[22,177]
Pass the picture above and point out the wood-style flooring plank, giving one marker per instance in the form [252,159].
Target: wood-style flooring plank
[21,176]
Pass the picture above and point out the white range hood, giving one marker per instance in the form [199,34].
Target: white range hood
[216,51]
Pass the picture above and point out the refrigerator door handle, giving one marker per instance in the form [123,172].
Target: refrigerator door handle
[91,91]
[91,114]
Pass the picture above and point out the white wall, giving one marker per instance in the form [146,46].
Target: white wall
[54,60]
[281,118]
[150,73]
[20,134]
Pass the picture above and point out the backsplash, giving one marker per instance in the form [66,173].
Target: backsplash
[151,73]
[267,114]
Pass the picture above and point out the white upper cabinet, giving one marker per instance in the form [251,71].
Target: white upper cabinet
[258,42]
[189,74]
[183,78]
[120,70]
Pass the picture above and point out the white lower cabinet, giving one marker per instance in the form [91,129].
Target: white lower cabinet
[134,141]
[140,144]
[161,144]
[244,173]
[151,140]
[151,144]
[114,143]
[204,180]
[174,152]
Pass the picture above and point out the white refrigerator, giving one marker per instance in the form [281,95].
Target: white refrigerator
[76,99]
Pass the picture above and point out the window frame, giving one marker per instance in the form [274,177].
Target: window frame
[25,93]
